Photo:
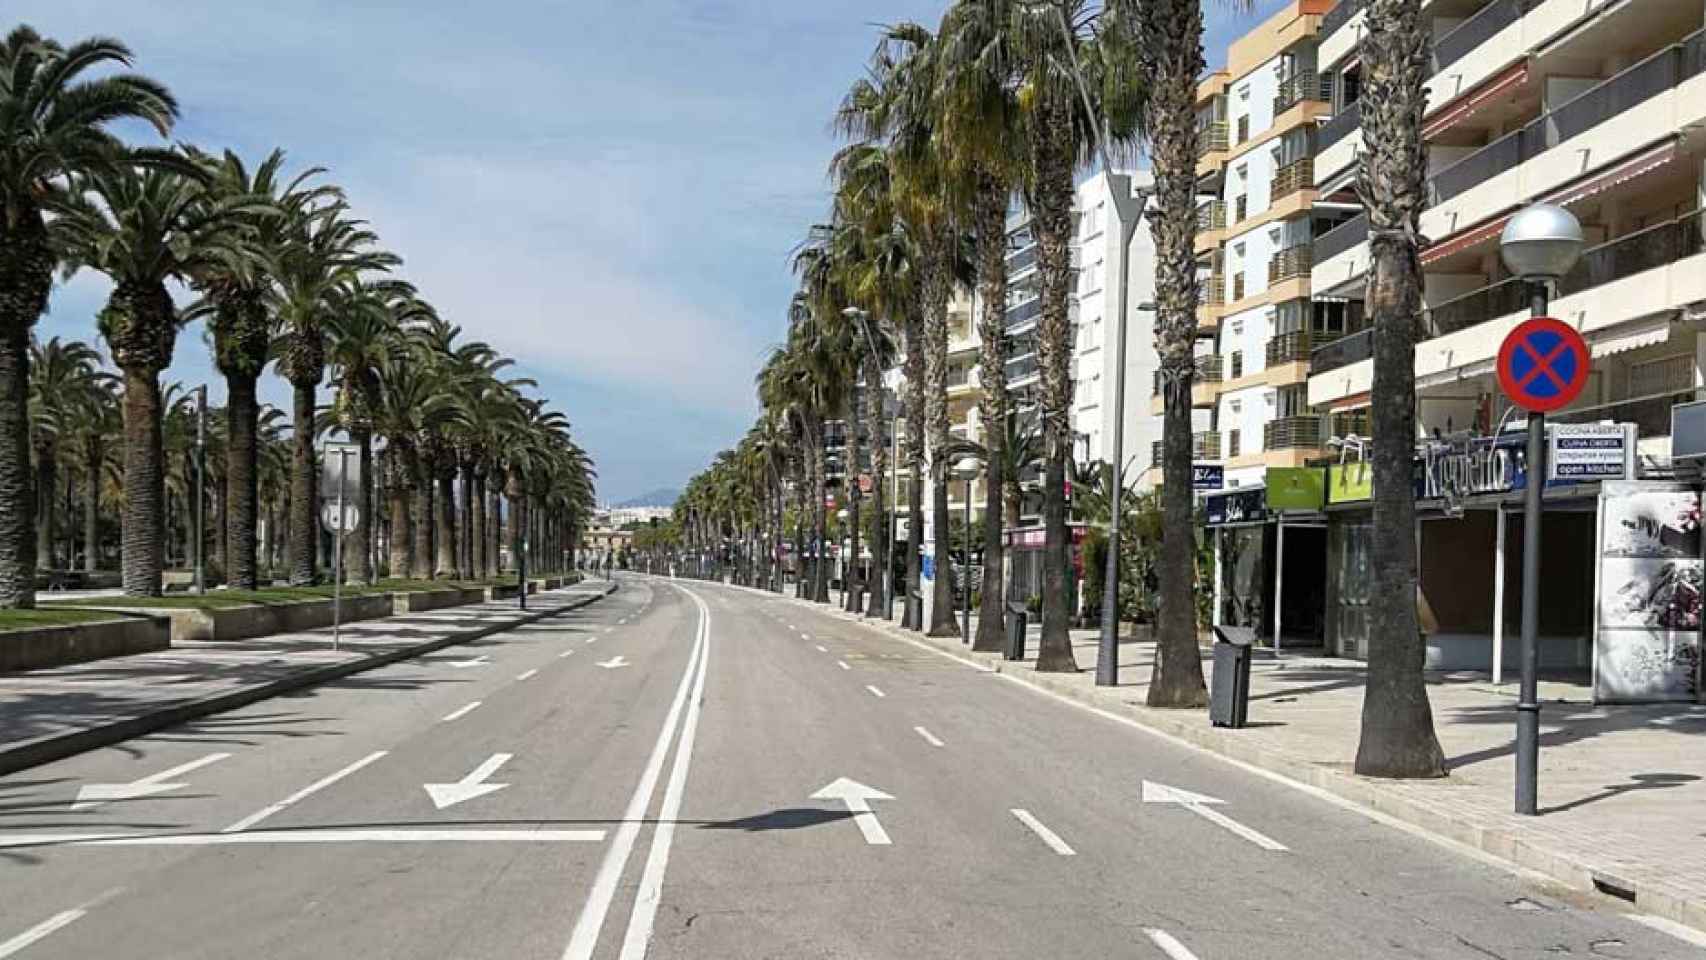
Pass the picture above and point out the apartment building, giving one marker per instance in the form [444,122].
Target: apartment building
[1256,225]
[1598,106]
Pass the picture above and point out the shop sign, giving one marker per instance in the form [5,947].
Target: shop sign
[1591,451]
[1295,488]
[1207,476]
[1237,506]
[1475,465]
[1350,482]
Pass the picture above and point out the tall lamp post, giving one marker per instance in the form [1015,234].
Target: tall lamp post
[1540,244]
[842,516]
[967,471]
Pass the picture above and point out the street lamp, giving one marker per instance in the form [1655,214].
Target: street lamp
[966,470]
[842,516]
[201,490]
[1540,244]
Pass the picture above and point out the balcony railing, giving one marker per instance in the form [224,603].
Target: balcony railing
[1294,176]
[1212,292]
[1626,256]
[1345,122]
[1206,369]
[1204,446]
[1289,347]
[1341,238]
[1024,313]
[1338,17]
[1023,367]
[1211,137]
[1293,261]
[1303,86]
[1478,29]
[1293,433]
[1021,260]
[1212,215]
[1660,72]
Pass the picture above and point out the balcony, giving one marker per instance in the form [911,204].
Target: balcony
[1024,259]
[1293,261]
[1304,86]
[1341,238]
[1212,291]
[1348,349]
[1478,29]
[1294,176]
[1022,368]
[1337,17]
[1018,316]
[1293,433]
[1211,138]
[1206,369]
[1204,446]
[1343,123]
[1651,77]
[1211,216]
[1289,348]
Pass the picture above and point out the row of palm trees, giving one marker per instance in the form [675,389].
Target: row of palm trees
[1010,99]
[281,273]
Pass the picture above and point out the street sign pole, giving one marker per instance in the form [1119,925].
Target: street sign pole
[338,555]
[201,492]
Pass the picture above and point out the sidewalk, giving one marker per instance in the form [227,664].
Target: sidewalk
[1621,787]
[53,713]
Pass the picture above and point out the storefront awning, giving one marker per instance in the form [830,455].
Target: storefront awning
[1354,402]
[1466,372]
[1460,108]
[1631,336]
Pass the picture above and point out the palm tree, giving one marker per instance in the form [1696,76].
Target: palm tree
[1398,738]
[53,124]
[982,127]
[324,252]
[143,227]
[95,420]
[242,325]
[62,376]
[413,403]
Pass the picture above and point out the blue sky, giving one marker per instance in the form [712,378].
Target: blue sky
[607,191]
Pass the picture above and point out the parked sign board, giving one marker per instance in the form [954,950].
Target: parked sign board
[1245,505]
[1350,482]
[1207,476]
[1591,451]
[1295,488]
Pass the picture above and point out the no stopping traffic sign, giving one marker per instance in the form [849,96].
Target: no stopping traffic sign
[1543,364]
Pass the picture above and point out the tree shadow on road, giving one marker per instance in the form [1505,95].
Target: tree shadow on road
[788,818]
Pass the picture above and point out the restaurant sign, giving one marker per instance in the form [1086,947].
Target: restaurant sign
[1247,505]
[1350,482]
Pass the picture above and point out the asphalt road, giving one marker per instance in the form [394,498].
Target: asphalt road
[684,770]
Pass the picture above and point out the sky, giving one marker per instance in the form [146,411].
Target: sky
[606,191]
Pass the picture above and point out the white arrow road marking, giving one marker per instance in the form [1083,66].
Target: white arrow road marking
[929,737]
[858,799]
[615,663]
[1048,836]
[461,711]
[96,794]
[479,661]
[473,785]
[1199,804]
[526,674]
[875,692]
[320,784]
[1168,945]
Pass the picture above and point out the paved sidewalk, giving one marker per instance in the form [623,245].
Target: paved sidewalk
[1622,788]
[53,713]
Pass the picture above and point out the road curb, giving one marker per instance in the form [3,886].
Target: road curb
[1500,841]
[46,749]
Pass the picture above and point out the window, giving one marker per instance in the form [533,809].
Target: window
[1271,398]
[1237,364]
[1244,92]
[1232,442]
[1274,157]
[1274,239]
[1236,407]
[1243,128]
[1271,315]
[1244,172]
[1238,328]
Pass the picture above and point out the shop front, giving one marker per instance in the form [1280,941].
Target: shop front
[1025,564]
[1270,550]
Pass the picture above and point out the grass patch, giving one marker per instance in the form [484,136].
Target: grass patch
[35,619]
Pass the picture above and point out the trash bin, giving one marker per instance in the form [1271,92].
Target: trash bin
[1018,618]
[1229,692]
[915,611]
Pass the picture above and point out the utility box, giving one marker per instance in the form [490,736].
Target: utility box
[1018,619]
[1229,690]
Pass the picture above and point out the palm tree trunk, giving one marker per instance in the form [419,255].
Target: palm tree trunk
[465,528]
[241,478]
[494,529]
[1052,213]
[914,383]
[144,483]
[477,525]
[991,214]
[820,517]
[446,522]
[26,275]
[47,530]
[936,292]
[358,554]
[877,583]
[421,566]
[92,508]
[402,541]
[304,523]
[1398,738]
[1177,27]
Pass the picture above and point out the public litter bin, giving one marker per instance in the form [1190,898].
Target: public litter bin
[915,610]
[1018,618]
[1229,692]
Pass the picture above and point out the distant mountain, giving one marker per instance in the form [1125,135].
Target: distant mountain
[661,497]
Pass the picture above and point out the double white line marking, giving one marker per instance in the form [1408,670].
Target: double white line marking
[584,940]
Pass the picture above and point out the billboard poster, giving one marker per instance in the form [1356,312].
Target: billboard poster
[1647,636]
